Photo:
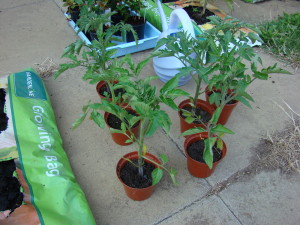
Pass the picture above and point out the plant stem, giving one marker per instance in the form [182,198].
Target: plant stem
[143,130]
[196,93]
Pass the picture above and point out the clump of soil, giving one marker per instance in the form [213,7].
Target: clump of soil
[105,91]
[130,174]
[3,116]
[10,195]
[204,115]
[196,150]
[195,14]
[114,122]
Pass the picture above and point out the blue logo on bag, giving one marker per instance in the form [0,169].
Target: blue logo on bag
[29,85]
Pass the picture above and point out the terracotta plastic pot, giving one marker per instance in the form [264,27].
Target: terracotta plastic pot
[199,169]
[199,104]
[137,194]
[227,110]
[99,86]
[118,138]
[103,83]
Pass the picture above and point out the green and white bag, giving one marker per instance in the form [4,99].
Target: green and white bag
[54,192]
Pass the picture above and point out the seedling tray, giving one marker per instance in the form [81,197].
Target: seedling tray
[151,35]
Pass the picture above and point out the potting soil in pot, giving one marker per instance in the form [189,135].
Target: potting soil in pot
[11,196]
[196,149]
[104,91]
[194,13]
[115,122]
[204,115]
[131,177]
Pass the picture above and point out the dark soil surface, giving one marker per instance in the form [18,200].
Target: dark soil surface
[115,122]
[205,116]
[130,175]
[135,20]
[105,89]
[194,12]
[3,116]
[10,195]
[167,1]
[196,149]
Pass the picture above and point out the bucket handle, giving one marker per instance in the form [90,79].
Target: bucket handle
[180,16]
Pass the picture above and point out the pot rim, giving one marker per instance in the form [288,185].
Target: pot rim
[203,135]
[134,155]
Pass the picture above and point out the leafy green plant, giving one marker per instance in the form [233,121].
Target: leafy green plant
[281,36]
[216,58]
[92,20]
[73,4]
[142,97]
[98,60]
[203,4]
[126,7]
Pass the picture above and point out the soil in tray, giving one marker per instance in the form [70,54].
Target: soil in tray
[195,14]
[105,89]
[115,122]
[10,195]
[3,116]
[196,149]
[204,115]
[130,174]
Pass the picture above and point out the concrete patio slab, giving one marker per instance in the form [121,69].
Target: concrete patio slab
[33,30]
[266,198]
[206,211]
[31,33]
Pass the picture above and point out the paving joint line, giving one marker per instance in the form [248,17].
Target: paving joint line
[231,211]
[174,142]
[26,4]
[180,210]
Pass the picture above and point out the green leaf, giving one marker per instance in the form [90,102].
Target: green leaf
[79,120]
[169,102]
[189,120]
[98,119]
[244,101]
[173,173]
[156,174]
[260,75]
[191,131]
[221,129]
[171,84]
[164,158]
[178,93]
[215,117]
[123,127]
[208,154]
[254,37]
[112,130]
[220,144]
[128,141]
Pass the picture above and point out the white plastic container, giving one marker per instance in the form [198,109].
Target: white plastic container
[151,35]
[167,67]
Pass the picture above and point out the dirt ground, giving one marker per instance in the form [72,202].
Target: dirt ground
[259,12]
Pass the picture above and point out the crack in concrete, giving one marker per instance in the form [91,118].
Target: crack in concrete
[235,216]
[174,142]
[180,210]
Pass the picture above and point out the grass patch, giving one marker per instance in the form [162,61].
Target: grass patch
[281,37]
